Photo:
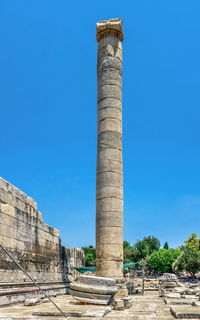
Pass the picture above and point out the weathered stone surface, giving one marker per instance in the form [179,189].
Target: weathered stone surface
[110,192]
[110,139]
[91,298]
[33,243]
[109,103]
[168,284]
[173,295]
[109,112]
[128,302]
[109,153]
[193,291]
[106,28]
[104,220]
[189,296]
[175,301]
[97,290]
[169,276]
[109,265]
[189,312]
[97,313]
[110,124]
[104,236]
[107,63]
[181,290]
[109,179]
[109,76]
[109,165]
[32,302]
[146,307]
[109,182]
[118,304]
[105,251]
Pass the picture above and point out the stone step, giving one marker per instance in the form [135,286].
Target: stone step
[175,301]
[188,312]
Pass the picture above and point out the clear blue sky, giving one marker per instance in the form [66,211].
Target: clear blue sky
[48,113]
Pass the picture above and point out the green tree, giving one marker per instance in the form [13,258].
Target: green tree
[193,242]
[145,247]
[188,260]
[90,255]
[166,246]
[163,259]
[129,252]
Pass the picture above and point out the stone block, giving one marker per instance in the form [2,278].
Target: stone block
[110,139]
[32,302]
[112,268]
[110,124]
[118,304]
[188,312]
[168,284]
[107,165]
[109,192]
[97,313]
[109,76]
[169,276]
[105,236]
[109,112]
[110,251]
[181,290]
[109,204]
[110,153]
[109,91]
[7,209]
[128,302]
[173,295]
[109,103]
[178,301]
[189,296]
[193,291]
[109,219]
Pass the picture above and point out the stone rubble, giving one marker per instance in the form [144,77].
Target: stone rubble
[183,299]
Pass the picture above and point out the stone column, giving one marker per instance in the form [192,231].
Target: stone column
[109,175]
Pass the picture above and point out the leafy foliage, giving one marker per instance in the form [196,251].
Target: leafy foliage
[163,259]
[132,253]
[188,260]
[193,242]
[90,255]
[166,246]
[129,252]
[145,247]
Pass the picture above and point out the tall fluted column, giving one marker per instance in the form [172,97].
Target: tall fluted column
[109,175]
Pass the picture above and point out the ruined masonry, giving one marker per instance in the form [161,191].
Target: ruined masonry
[33,243]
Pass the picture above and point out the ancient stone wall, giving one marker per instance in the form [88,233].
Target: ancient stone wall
[33,243]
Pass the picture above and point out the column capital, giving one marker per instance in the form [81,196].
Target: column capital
[106,27]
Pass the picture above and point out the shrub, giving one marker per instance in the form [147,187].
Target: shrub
[162,260]
[188,260]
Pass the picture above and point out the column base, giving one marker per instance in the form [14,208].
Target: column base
[93,290]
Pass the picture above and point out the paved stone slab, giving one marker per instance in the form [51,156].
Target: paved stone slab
[173,295]
[178,301]
[188,312]
[146,307]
